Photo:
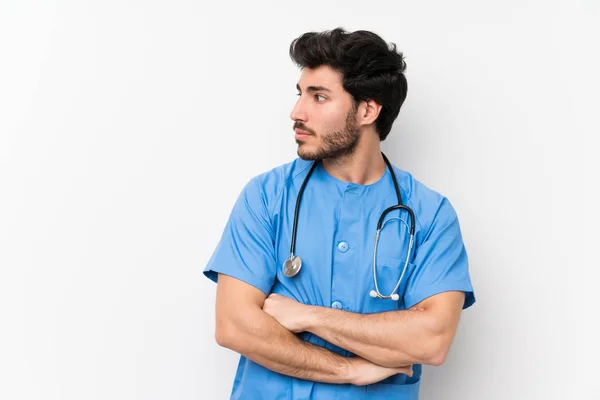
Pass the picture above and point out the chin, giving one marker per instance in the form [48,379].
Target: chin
[306,154]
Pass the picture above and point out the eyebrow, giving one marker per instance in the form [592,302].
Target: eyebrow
[314,89]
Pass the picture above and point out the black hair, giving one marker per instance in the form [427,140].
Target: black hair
[371,69]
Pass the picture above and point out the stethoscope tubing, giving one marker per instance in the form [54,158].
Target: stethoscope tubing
[380,224]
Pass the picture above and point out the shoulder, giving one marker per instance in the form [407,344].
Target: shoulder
[269,185]
[276,179]
[429,205]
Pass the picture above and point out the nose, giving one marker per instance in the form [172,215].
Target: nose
[298,112]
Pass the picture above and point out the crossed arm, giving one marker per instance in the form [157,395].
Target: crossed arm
[262,329]
[420,335]
[243,326]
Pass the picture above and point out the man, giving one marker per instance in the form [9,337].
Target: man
[325,328]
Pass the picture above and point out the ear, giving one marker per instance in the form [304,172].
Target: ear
[368,111]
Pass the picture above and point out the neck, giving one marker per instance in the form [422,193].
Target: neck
[364,166]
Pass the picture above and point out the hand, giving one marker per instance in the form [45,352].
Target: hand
[291,314]
[363,372]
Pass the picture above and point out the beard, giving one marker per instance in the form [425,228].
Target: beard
[339,143]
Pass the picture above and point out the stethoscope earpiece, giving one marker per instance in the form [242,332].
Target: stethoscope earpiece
[394,297]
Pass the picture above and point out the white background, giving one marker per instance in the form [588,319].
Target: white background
[128,128]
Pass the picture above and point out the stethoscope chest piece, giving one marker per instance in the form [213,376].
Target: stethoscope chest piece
[292,266]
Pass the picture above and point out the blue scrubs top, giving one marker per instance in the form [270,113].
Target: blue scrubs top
[335,238]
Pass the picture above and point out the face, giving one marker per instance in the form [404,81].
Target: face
[324,116]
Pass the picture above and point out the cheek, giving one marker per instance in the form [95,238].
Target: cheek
[329,120]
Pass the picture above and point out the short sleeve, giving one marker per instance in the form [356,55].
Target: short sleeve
[246,248]
[441,262]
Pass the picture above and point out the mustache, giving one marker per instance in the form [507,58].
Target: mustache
[300,125]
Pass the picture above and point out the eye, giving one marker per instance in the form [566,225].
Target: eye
[320,97]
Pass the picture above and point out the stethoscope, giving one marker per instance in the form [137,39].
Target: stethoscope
[292,266]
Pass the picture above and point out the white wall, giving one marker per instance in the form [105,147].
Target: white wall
[127,129]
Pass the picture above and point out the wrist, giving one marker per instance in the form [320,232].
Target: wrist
[313,316]
[348,371]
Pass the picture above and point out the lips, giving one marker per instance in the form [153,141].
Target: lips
[300,132]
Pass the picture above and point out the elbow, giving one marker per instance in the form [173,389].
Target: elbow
[235,330]
[437,350]
[225,334]
[436,344]
[437,357]
[428,354]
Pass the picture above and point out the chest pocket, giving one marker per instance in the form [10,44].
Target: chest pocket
[389,271]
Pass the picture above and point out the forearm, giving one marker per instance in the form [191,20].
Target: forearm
[263,340]
[389,339]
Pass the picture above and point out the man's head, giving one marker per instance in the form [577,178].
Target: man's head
[349,82]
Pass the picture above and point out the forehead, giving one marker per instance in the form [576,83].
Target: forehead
[321,76]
